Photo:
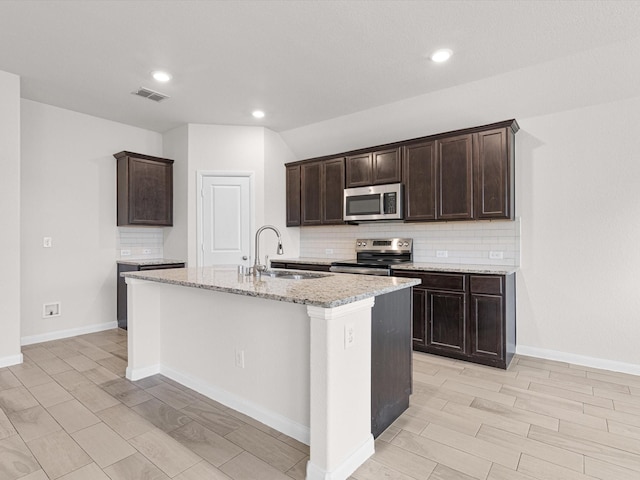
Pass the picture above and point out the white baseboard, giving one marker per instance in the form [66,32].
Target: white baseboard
[72,332]
[272,419]
[614,366]
[357,458]
[11,360]
[134,374]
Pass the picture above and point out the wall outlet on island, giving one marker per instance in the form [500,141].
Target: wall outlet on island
[240,358]
[442,253]
[349,335]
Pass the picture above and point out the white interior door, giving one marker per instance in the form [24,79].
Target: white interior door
[226,220]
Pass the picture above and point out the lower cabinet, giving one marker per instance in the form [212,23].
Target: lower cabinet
[122,286]
[301,266]
[465,316]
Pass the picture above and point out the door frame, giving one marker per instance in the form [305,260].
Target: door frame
[200,176]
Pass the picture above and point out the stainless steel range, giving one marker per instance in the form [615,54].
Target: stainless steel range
[376,256]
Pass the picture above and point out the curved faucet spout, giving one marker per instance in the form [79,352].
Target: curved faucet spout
[257,266]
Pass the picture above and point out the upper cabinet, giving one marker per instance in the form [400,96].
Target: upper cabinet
[454,178]
[374,168]
[322,187]
[462,175]
[293,195]
[144,190]
[494,173]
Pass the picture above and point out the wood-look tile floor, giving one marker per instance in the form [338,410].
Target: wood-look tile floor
[68,413]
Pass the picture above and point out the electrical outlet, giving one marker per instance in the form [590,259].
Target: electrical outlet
[125,253]
[51,310]
[47,242]
[328,251]
[496,255]
[240,358]
[442,253]
[146,251]
[349,335]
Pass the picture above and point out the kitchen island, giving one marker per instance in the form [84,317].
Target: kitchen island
[294,354]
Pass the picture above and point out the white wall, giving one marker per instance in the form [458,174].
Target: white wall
[69,193]
[10,219]
[578,175]
[223,148]
[276,154]
[175,146]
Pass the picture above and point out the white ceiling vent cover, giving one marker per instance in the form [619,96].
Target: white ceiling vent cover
[150,94]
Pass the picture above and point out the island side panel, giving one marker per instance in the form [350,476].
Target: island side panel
[248,353]
[341,437]
[143,335]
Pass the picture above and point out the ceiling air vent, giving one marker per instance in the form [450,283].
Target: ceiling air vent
[150,94]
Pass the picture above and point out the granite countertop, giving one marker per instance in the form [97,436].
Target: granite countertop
[456,268]
[328,291]
[417,266]
[149,261]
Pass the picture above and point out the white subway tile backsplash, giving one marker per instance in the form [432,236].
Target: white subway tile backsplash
[142,242]
[466,242]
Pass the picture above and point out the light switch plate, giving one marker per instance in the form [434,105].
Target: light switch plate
[47,242]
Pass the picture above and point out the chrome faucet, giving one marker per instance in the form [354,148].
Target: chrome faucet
[257,267]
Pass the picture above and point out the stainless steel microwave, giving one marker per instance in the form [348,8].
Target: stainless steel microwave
[377,202]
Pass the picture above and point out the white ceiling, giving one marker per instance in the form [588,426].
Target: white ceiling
[300,61]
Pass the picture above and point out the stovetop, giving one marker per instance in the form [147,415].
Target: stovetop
[380,253]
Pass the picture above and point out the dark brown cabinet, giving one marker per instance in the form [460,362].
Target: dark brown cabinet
[322,186]
[454,178]
[419,176]
[374,168]
[122,285]
[301,266]
[293,196]
[462,175]
[465,316]
[494,174]
[145,190]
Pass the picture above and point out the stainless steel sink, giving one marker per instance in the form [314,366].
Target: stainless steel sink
[291,275]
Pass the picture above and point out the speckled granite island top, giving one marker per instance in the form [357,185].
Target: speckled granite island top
[330,290]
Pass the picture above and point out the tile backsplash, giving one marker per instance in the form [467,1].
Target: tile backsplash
[142,242]
[464,242]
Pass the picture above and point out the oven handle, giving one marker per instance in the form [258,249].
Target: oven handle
[384,272]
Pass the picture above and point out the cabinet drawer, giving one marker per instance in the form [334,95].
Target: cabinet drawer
[438,281]
[486,284]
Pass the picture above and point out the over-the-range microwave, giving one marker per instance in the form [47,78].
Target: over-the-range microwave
[376,202]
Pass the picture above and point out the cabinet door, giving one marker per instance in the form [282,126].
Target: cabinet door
[419,172]
[149,192]
[486,328]
[293,196]
[419,318]
[333,191]
[454,171]
[359,170]
[386,166]
[311,195]
[446,321]
[493,172]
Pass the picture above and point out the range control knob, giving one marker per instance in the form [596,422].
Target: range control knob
[359,244]
[406,244]
[364,244]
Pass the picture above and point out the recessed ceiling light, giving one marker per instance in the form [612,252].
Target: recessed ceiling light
[161,76]
[258,114]
[442,55]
